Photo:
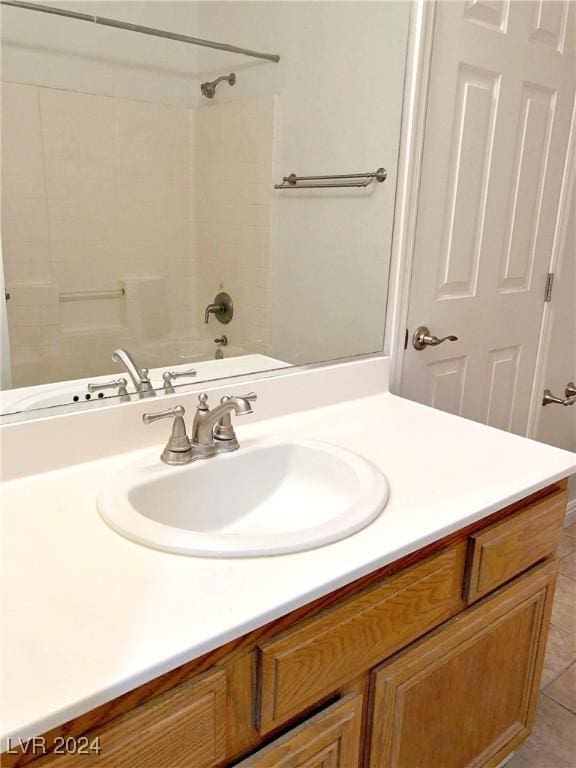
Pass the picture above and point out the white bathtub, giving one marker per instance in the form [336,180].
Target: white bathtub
[43,396]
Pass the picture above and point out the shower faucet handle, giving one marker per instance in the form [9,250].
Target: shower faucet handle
[222,308]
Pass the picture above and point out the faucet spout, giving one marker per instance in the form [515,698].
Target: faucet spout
[206,420]
[139,376]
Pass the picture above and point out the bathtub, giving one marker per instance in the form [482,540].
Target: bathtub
[65,393]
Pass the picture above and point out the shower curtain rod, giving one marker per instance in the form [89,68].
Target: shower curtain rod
[139,28]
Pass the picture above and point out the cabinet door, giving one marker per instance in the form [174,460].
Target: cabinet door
[466,694]
[331,739]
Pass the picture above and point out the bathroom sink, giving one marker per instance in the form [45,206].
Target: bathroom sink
[270,497]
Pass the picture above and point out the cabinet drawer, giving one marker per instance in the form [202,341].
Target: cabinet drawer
[183,727]
[301,666]
[498,553]
[331,739]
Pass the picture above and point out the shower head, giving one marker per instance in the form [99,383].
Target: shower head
[209,88]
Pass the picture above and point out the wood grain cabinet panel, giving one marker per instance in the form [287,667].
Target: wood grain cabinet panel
[331,739]
[500,552]
[465,696]
[182,728]
[301,666]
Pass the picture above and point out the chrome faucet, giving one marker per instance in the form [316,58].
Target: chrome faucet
[139,376]
[208,424]
[212,431]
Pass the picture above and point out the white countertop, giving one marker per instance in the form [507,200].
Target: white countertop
[88,615]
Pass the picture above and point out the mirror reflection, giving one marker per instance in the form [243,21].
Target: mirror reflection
[153,232]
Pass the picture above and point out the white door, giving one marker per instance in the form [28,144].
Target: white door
[497,125]
[557,423]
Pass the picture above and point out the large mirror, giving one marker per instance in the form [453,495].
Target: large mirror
[145,245]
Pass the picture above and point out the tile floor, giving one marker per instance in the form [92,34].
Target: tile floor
[553,741]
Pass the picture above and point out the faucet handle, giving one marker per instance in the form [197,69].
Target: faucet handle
[119,384]
[169,376]
[178,450]
[176,411]
[251,397]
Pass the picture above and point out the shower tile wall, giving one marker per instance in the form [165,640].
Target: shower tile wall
[232,157]
[95,191]
[100,192]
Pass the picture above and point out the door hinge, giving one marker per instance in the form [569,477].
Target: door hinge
[548,289]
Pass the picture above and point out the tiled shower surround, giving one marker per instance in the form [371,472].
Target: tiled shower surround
[101,193]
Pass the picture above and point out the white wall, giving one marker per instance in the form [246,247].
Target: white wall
[558,424]
[74,55]
[340,85]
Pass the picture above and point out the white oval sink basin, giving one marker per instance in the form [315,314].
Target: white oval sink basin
[270,497]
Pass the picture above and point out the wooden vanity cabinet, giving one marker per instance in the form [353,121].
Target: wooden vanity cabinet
[432,662]
[466,694]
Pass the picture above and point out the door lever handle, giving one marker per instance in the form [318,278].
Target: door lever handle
[423,338]
[568,400]
[570,390]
